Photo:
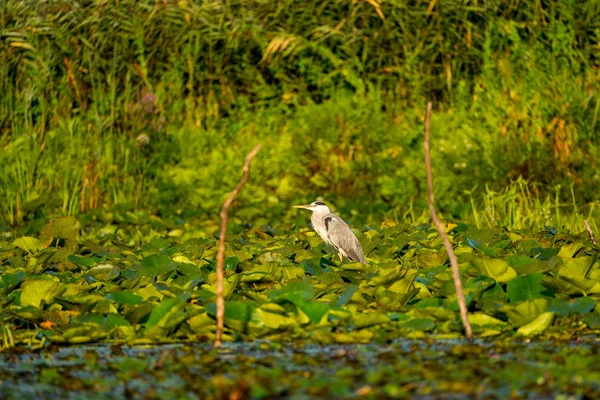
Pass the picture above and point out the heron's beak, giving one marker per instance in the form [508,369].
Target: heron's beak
[305,206]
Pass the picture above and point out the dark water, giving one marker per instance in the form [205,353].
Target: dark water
[401,369]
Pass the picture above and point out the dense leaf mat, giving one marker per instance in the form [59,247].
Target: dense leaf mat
[131,278]
[402,369]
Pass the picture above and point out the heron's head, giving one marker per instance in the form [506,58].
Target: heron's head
[316,207]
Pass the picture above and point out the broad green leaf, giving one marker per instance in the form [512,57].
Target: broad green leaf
[366,320]
[482,319]
[592,320]
[569,250]
[231,263]
[230,284]
[525,312]
[538,325]
[183,260]
[347,295]
[149,291]
[526,287]
[542,253]
[486,250]
[314,310]
[294,292]
[27,313]
[156,244]
[432,259]
[585,285]
[238,310]
[527,265]
[200,322]
[157,264]
[81,261]
[438,313]
[161,312]
[517,261]
[560,307]
[418,324]
[272,320]
[576,267]
[497,269]
[38,291]
[582,305]
[8,281]
[404,285]
[65,228]
[125,297]
[29,244]
[113,320]
[104,272]
[386,278]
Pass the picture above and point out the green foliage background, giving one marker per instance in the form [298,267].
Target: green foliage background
[153,104]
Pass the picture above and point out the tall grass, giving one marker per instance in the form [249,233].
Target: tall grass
[522,205]
[152,103]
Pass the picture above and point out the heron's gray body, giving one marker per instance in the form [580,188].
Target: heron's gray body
[335,232]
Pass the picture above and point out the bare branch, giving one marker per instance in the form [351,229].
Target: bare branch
[590,232]
[222,236]
[451,255]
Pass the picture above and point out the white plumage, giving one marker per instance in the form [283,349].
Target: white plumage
[335,231]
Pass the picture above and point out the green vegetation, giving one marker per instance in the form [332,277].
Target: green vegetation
[152,105]
[130,278]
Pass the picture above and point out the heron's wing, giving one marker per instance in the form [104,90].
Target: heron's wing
[341,236]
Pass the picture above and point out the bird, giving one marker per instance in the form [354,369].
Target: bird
[334,231]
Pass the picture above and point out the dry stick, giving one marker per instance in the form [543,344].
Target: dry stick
[453,262]
[590,232]
[222,235]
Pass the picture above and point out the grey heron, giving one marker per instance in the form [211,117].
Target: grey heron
[334,231]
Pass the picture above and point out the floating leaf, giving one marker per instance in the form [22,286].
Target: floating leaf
[576,267]
[103,272]
[525,312]
[538,325]
[569,250]
[592,320]
[582,305]
[81,261]
[29,244]
[125,297]
[542,253]
[482,319]
[231,263]
[526,287]
[347,295]
[157,264]
[486,250]
[418,324]
[497,269]
[63,235]
[314,310]
[294,292]
[162,310]
[65,228]
[38,291]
